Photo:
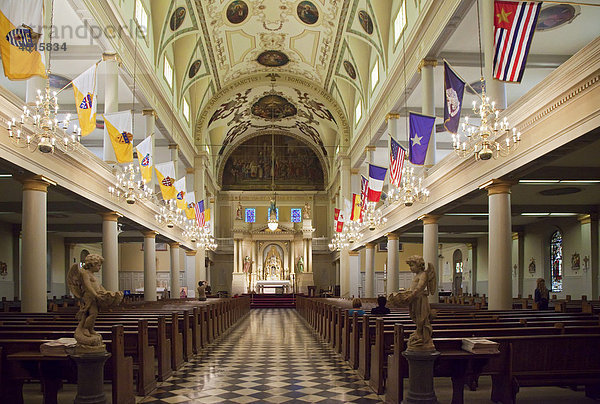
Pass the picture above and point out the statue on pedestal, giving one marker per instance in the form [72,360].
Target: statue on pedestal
[84,285]
[423,284]
[306,211]
[300,265]
[239,215]
[247,265]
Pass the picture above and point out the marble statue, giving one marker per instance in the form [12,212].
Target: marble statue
[84,285]
[306,211]
[423,284]
[247,265]
[239,215]
[300,265]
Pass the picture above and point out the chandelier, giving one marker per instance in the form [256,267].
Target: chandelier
[170,215]
[339,242]
[191,231]
[352,231]
[129,186]
[411,189]
[206,241]
[46,130]
[373,217]
[482,132]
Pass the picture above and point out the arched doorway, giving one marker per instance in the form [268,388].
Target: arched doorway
[457,278]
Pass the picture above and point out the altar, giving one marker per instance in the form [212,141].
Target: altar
[272,286]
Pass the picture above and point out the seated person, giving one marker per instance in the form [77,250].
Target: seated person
[381,309]
[356,307]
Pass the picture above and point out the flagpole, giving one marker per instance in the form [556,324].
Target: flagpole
[71,82]
[460,77]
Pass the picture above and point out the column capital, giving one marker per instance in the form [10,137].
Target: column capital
[392,115]
[430,219]
[587,218]
[370,148]
[110,216]
[148,111]
[392,236]
[497,186]
[354,171]
[426,62]
[149,233]
[370,246]
[35,183]
[353,253]
[110,56]
[515,236]
[191,253]
[173,146]
[174,244]
[189,170]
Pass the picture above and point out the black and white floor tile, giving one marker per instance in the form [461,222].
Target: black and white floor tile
[271,357]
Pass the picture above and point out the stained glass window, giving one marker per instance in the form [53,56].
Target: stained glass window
[296,215]
[269,213]
[250,215]
[556,263]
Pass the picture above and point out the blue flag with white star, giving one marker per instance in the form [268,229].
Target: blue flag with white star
[421,127]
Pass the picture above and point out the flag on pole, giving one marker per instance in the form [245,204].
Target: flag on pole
[19,21]
[180,195]
[190,211]
[397,154]
[356,208]
[118,126]
[338,217]
[376,178]
[421,127]
[454,89]
[144,154]
[514,25]
[165,172]
[364,190]
[84,87]
[199,207]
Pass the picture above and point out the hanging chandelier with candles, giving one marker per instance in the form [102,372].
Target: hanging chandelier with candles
[206,240]
[352,231]
[170,215]
[411,189]
[339,242]
[129,186]
[191,231]
[373,217]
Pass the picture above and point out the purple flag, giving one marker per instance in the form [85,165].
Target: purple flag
[454,88]
[421,127]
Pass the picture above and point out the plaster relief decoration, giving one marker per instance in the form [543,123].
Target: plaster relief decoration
[532,265]
[3,269]
[296,166]
[237,11]
[575,262]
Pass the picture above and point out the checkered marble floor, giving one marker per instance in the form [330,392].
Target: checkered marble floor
[272,356]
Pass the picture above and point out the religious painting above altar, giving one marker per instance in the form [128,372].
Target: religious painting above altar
[297,167]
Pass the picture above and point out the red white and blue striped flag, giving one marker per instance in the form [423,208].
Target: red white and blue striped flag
[397,154]
[364,189]
[376,179]
[199,208]
[514,24]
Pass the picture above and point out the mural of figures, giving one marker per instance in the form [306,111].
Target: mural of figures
[350,69]
[273,58]
[177,18]
[554,16]
[237,11]
[307,12]
[273,106]
[194,68]
[296,166]
[365,21]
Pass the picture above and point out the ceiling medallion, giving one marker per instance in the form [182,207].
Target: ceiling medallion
[237,11]
[177,18]
[365,21]
[556,15]
[194,68]
[350,69]
[307,12]
[273,58]
[273,107]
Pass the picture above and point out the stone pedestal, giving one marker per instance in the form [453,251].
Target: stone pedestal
[238,283]
[420,370]
[90,377]
[303,281]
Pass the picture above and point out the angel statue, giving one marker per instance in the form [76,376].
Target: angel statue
[423,284]
[84,285]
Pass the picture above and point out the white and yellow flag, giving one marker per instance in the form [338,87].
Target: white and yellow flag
[165,172]
[144,154]
[84,87]
[180,196]
[190,211]
[20,33]
[118,126]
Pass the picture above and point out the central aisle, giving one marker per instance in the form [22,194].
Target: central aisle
[271,356]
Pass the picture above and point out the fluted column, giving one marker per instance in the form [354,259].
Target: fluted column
[110,250]
[495,89]
[111,99]
[428,104]
[175,284]
[393,260]
[500,246]
[34,245]
[370,270]
[430,248]
[149,265]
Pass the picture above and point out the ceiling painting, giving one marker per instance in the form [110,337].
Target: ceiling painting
[179,20]
[347,68]
[237,11]
[365,21]
[273,107]
[307,12]
[273,58]
[362,24]
[197,68]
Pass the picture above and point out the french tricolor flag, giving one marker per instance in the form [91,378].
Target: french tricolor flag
[376,179]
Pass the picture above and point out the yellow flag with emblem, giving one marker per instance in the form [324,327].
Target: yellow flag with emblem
[180,196]
[118,126]
[190,211]
[144,154]
[84,87]
[20,33]
[165,172]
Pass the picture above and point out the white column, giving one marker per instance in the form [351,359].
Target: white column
[235,256]
[500,246]
[111,99]
[370,270]
[110,250]
[430,248]
[190,272]
[199,170]
[149,265]
[393,261]
[174,149]
[495,89]
[174,253]
[34,246]
[305,254]
[292,256]
[345,184]
[337,272]
[589,254]
[310,255]
[353,273]
[428,104]
[150,124]
[201,265]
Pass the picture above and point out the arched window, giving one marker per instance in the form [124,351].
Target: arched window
[556,261]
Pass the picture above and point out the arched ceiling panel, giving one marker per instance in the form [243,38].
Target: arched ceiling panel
[363,24]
